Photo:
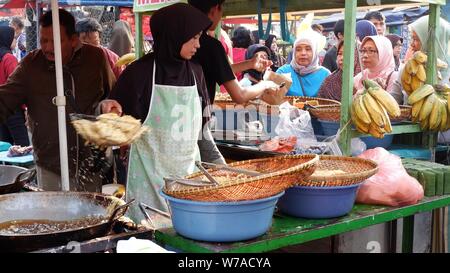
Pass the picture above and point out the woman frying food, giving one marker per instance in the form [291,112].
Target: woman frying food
[167,91]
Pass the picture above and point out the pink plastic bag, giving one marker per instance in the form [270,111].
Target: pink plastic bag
[391,185]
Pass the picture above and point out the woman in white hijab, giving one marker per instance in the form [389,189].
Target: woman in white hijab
[307,75]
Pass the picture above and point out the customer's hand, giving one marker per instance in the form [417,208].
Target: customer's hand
[270,87]
[111,106]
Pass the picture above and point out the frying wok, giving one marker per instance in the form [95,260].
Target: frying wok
[33,207]
[13,178]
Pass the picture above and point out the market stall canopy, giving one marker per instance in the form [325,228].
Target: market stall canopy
[13,4]
[393,17]
[247,7]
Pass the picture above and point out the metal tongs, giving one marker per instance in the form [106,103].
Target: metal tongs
[226,168]
[169,181]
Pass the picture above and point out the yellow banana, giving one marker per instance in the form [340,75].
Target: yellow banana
[411,67]
[360,110]
[444,116]
[386,121]
[126,59]
[416,83]
[420,57]
[407,87]
[424,124]
[406,77]
[427,107]
[375,131]
[386,100]
[448,103]
[420,93]
[416,110]
[374,109]
[435,115]
[421,73]
[360,126]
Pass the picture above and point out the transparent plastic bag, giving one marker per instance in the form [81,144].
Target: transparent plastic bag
[391,185]
[295,122]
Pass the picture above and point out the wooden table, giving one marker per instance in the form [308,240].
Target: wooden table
[286,230]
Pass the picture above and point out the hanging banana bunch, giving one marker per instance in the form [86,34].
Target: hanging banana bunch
[430,107]
[414,74]
[371,111]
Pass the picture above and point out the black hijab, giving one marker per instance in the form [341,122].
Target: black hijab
[6,39]
[171,27]
[251,51]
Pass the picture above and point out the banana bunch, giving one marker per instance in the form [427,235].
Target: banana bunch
[126,59]
[371,110]
[430,108]
[414,75]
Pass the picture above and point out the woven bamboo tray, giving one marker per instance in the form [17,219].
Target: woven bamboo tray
[228,105]
[321,101]
[263,107]
[326,112]
[355,170]
[279,173]
[333,113]
[405,114]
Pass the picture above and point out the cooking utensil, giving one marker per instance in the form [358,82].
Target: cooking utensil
[13,178]
[226,168]
[56,207]
[195,183]
[206,173]
[145,207]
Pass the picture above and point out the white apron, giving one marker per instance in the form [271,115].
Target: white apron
[169,148]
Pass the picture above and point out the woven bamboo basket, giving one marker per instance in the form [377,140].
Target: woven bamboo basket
[279,173]
[228,105]
[333,113]
[350,171]
[321,101]
[326,112]
[405,114]
[265,108]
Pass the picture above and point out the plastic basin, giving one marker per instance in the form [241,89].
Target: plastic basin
[222,221]
[330,128]
[318,202]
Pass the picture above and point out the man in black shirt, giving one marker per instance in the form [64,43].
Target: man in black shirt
[329,61]
[217,69]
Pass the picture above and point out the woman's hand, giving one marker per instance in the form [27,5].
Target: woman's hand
[111,106]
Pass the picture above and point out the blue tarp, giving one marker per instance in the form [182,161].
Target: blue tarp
[393,18]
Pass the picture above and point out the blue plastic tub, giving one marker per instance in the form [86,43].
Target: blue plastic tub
[373,142]
[330,128]
[222,221]
[318,202]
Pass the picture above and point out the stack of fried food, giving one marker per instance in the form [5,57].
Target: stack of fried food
[430,108]
[109,130]
[371,110]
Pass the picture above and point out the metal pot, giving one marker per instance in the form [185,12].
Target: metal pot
[34,207]
[13,178]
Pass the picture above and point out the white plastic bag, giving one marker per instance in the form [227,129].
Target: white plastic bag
[295,122]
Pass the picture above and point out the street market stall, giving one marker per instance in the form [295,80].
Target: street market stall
[285,230]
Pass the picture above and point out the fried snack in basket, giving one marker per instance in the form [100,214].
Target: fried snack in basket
[109,130]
